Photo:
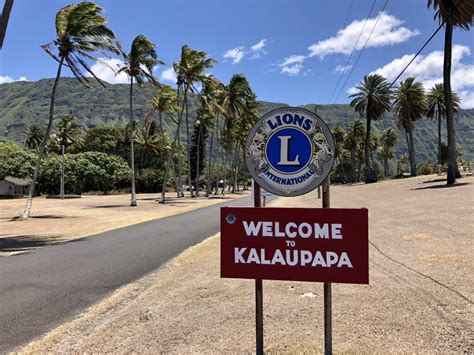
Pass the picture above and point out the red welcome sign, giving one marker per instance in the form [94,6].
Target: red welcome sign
[296,244]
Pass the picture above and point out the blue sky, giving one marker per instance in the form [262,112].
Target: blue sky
[291,51]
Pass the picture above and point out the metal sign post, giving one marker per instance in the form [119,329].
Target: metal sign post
[327,286]
[290,152]
[257,202]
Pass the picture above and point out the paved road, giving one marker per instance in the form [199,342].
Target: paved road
[42,289]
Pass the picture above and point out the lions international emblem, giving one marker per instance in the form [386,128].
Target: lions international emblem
[289,151]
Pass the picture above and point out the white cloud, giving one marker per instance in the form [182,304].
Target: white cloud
[292,70]
[168,75]
[292,65]
[258,49]
[236,54]
[387,32]
[340,68]
[467,99]
[429,70]
[293,59]
[259,46]
[104,72]
[9,79]
[352,90]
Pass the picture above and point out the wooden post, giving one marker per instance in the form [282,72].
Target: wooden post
[327,286]
[257,202]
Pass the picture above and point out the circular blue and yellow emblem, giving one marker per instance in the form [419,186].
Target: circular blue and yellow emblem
[289,151]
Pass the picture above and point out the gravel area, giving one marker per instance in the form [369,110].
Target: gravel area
[420,297]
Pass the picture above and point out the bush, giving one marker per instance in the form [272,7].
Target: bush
[16,161]
[90,171]
[149,180]
[427,167]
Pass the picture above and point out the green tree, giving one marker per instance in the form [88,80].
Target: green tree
[388,139]
[81,32]
[102,139]
[353,141]
[454,13]
[372,99]
[437,109]
[150,144]
[239,99]
[191,69]
[68,133]
[139,65]
[165,100]
[33,137]
[338,134]
[410,105]
[15,161]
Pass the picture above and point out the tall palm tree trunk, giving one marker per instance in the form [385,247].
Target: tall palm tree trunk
[353,164]
[368,171]
[209,158]
[448,42]
[179,192]
[61,187]
[235,186]
[29,201]
[385,167]
[439,144]
[133,201]
[198,160]
[170,158]
[188,143]
[412,153]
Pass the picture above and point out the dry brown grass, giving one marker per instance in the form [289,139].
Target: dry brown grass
[414,303]
[53,221]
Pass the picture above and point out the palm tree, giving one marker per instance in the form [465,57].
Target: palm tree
[139,65]
[338,134]
[410,105]
[150,143]
[388,139]
[68,132]
[437,108]
[81,32]
[215,101]
[165,100]
[454,13]
[33,136]
[355,135]
[372,100]
[238,96]
[190,70]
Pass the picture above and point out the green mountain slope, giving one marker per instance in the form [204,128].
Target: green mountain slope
[23,103]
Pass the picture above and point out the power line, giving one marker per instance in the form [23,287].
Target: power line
[424,45]
[416,55]
[353,50]
[360,53]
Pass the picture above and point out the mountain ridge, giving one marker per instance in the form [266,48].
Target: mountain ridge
[24,103]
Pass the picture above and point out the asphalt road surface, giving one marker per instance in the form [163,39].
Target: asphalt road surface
[44,288]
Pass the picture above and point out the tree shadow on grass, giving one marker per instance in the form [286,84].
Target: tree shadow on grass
[26,242]
[434,180]
[44,216]
[443,186]
[110,206]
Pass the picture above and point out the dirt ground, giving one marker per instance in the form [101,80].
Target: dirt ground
[420,297]
[54,221]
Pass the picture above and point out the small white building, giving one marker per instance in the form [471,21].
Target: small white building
[11,186]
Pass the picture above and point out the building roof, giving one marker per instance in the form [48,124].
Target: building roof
[18,181]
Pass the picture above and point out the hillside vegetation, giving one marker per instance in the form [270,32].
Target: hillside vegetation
[24,103]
